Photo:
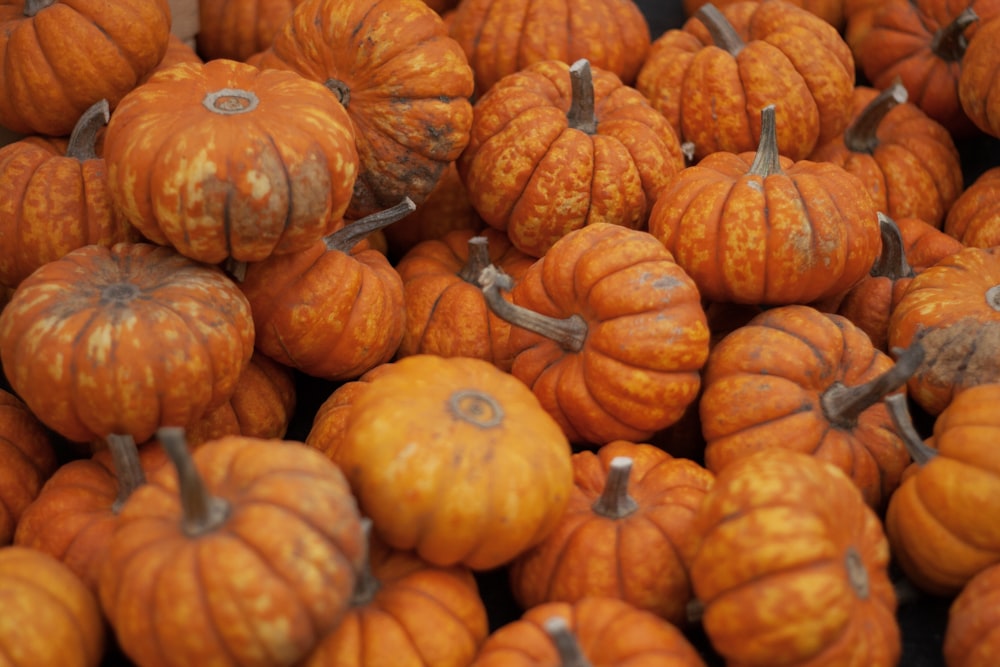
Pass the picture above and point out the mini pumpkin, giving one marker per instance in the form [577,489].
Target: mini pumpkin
[977,78]
[970,637]
[831,11]
[974,219]
[27,460]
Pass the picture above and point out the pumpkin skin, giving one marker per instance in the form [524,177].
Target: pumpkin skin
[954,307]
[289,539]
[640,555]
[50,618]
[542,162]
[178,51]
[404,83]
[976,80]
[974,219]
[792,566]
[237,29]
[971,638]
[221,160]
[59,58]
[636,335]
[117,306]
[456,460]
[27,460]
[831,11]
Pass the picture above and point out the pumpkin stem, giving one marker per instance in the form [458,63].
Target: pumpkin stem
[202,511]
[723,33]
[570,333]
[949,43]
[694,610]
[479,259]
[352,233]
[128,470]
[230,101]
[340,89]
[767,160]
[83,140]
[915,445]
[615,502]
[857,573]
[570,653]
[32,7]
[367,584]
[862,135]
[581,107]
[891,262]
[237,268]
[476,407]
[842,404]
[993,297]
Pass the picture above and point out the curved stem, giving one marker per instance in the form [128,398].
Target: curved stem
[842,404]
[366,585]
[569,333]
[32,7]
[723,34]
[915,445]
[128,470]
[570,653]
[479,259]
[949,43]
[202,511]
[352,233]
[83,140]
[767,160]
[615,502]
[581,107]
[891,262]
[862,135]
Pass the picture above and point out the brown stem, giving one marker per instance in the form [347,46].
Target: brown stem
[915,445]
[202,512]
[366,585]
[569,333]
[842,404]
[479,259]
[570,653]
[581,107]
[83,140]
[340,89]
[723,33]
[891,262]
[767,160]
[128,470]
[237,268]
[993,297]
[352,233]
[949,43]
[857,574]
[862,135]
[615,502]
[32,7]
[694,610]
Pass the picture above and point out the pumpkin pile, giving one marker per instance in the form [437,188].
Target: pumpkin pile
[499,332]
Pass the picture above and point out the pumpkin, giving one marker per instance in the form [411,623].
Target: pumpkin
[940,520]
[333,310]
[58,58]
[404,83]
[954,308]
[223,161]
[55,198]
[971,638]
[976,91]
[792,566]
[626,533]
[50,618]
[593,631]
[907,161]
[406,612]
[759,228]
[245,548]
[456,460]
[713,77]
[555,147]
[178,51]
[27,460]
[974,218]
[446,313]
[501,37]
[237,29]
[831,11]
[122,340]
[859,15]
[609,333]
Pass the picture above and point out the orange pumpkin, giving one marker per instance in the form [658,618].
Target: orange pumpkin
[237,29]
[971,638]
[831,11]
[977,78]
[974,219]
[178,51]
[27,460]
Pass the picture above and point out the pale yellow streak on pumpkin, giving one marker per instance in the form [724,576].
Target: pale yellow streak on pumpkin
[260,184]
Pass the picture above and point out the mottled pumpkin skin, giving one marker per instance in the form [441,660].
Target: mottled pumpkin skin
[237,29]
[641,558]
[72,54]
[974,219]
[501,38]
[219,174]
[531,173]
[124,340]
[955,308]
[971,638]
[27,460]
[940,521]
[178,51]
[647,335]
[263,587]
[831,11]
[330,421]
[405,83]
[792,567]
[763,388]
[791,58]
[50,618]
[977,80]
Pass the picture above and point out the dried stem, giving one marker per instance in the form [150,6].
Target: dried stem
[767,160]
[83,140]
[479,259]
[949,43]
[723,34]
[570,653]
[842,404]
[862,135]
[581,107]
[366,585]
[891,262]
[354,232]
[128,470]
[900,413]
[614,501]
[202,511]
